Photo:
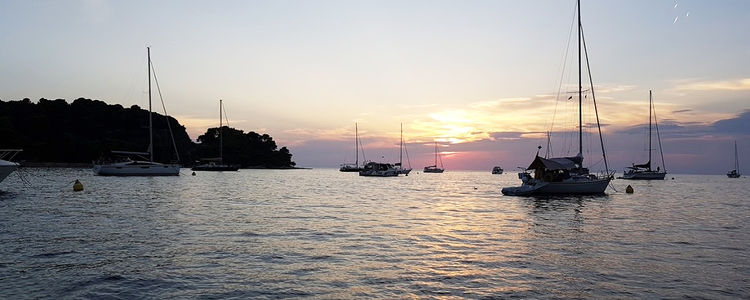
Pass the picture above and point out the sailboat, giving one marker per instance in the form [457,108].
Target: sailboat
[6,165]
[211,164]
[355,166]
[146,166]
[644,171]
[433,168]
[736,172]
[400,165]
[565,175]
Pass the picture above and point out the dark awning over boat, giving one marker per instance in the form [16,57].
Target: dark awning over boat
[645,166]
[555,163]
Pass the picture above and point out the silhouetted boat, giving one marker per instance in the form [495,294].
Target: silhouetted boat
[125,166]
[565,175]
[355,166]
[379,170]
[399,166]
[644,171]
[433,168]
[6,165]
[736,172]
[497,170]
[217,164]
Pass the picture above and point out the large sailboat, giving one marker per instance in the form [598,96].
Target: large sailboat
[565,175]
[644,171]
[348,167]
[400,165]
[434,168]
[6,165]
[736,172]
[146,166]
[217,164]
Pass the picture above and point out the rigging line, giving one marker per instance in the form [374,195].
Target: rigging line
[591,81]
[661,151]
[362,148]
[224,110]
[166,116]
[406,150]
[562,71]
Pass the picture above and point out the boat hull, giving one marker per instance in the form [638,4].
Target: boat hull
[350,169]
[587,187]
[644,176]
[730,175]
[433,171]
[154,169]
[371,173]
[6,167]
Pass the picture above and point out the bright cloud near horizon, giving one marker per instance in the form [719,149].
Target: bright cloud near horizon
[483,78]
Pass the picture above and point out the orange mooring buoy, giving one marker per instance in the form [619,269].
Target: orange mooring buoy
[77,186]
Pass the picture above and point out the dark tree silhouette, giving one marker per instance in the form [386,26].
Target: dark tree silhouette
[84,130]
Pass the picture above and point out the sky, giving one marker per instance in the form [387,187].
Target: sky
[486,79]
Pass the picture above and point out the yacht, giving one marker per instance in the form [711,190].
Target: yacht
[348,167]
[379,170]
[6,165]
[144,165]
[434,168]
[644,171]
[736,172]
[217,164]
[565,175]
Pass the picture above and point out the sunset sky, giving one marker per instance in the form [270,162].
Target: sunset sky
[484,78]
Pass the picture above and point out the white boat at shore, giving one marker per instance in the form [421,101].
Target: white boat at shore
[124,165]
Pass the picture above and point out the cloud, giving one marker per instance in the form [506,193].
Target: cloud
[742,84]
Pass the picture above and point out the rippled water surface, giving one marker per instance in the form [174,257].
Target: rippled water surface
[326,234]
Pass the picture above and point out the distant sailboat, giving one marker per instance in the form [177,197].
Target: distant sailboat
[6,165]
[497,170]
[211,164]
[355,166]
[400,165]
[565,175]
[433,168]
[129,167]
[644,171]
[736,172]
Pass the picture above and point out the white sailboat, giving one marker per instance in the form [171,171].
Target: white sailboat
[6,165]
[400,165]
[433,168]
[644,171]
[217,164]
[348,167]
[736,172]
[146,166]
[565,175]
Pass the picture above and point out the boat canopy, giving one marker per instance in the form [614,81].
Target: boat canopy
[647,165]
[555,163]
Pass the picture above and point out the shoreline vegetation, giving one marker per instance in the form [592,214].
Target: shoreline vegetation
[55,133]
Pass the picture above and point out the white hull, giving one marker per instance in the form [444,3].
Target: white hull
[570,187]
[137,169]
[6,167]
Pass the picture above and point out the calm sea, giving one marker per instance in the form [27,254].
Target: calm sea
[326,234]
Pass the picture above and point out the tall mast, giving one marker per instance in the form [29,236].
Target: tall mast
[150,115]
[736,161]
[580,88]
[356,145]
[401,148]
[649,129]
[221,136]
[435,153]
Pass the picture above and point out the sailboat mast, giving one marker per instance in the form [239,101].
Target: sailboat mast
[401,147]
[221,136]
[650,101]
[150,115]
[580,88]
[736,160]
[356,145]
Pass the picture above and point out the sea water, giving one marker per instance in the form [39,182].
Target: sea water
[326,234]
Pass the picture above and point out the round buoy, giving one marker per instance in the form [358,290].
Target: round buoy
[193,173]
[629,189]
[77,186]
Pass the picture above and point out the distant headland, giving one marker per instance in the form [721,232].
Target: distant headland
[58,133]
